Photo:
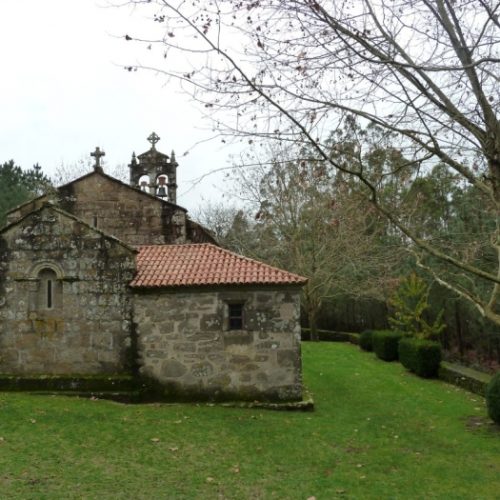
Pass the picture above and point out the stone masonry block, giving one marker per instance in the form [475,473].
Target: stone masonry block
[171,368]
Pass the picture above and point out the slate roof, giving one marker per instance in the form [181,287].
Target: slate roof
[203,264]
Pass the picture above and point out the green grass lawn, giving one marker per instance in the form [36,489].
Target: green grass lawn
[377,432]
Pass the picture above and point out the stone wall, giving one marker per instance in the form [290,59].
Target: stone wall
[87,329]
[125,213]
[134,217]
[185,343]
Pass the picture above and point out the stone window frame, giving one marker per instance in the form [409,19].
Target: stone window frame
[236,316]
[145,188]
[41,299]
[48,290]
[234,296]
[46,264]
[235,302]
[165,185]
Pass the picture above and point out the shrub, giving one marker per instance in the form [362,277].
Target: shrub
[493,398]
[365,340]
[420,356]
[385,344]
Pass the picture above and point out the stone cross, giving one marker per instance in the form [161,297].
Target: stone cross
[153,139]
[97,154]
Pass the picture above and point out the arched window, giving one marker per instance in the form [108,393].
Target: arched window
[161,186]
[144,182]
[49,290]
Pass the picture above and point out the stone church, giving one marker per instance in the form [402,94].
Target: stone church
[104,277]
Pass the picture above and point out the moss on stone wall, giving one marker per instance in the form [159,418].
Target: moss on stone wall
[119,382]
[151,390]
[89,334]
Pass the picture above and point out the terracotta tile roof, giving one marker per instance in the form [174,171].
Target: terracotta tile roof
[203,264]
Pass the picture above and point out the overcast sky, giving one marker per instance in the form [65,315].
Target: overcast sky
[63,91]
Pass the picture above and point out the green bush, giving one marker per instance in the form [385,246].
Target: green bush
[385,344]
[493,398]
[365,340]
[420,356]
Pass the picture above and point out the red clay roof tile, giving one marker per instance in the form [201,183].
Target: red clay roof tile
[204,264]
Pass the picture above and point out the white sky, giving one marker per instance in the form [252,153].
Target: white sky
[63,91]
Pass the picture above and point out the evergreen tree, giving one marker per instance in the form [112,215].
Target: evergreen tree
[410,303]
[18,186]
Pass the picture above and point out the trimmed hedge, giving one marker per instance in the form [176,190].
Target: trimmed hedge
[493,398]
[420,356]
[385,344]
[366,340]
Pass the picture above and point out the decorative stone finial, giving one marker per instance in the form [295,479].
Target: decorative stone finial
[153,139]
[98,154]
[133,162]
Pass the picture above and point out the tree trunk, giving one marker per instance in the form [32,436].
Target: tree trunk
[312,315]
[458,325]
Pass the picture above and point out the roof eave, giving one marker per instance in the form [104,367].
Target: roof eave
[207,286]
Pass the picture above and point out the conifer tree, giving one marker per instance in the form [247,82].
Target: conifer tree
[410,303]
[18,185]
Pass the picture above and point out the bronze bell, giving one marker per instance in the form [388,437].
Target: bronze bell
[162,192]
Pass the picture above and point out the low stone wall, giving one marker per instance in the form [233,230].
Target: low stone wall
[185,344]
[461,376]
[331,336]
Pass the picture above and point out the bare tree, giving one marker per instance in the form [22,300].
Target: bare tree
[425,71]
[69,172]
[298,216]
[230,226]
